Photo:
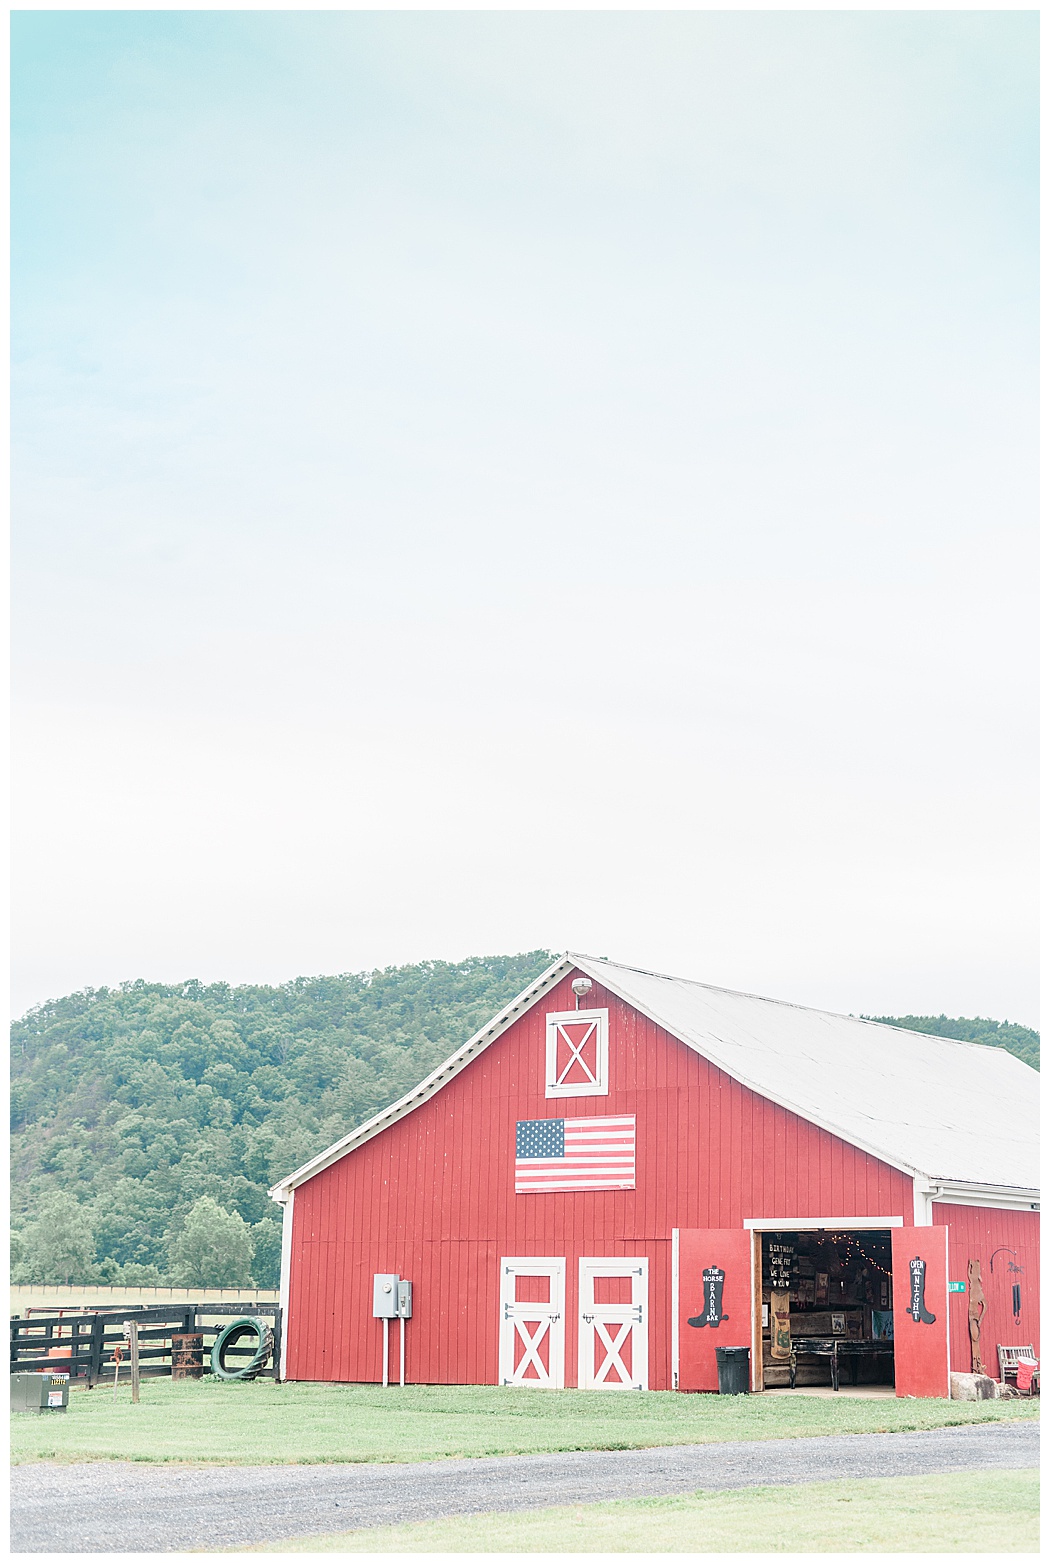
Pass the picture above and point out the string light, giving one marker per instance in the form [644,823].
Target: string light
[851,1242]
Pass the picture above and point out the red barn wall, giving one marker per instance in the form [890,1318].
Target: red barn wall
[432,1199]
[975,1233]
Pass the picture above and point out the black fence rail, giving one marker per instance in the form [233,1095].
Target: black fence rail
[84,1344]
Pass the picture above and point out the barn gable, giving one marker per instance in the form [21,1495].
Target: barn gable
[961,1116]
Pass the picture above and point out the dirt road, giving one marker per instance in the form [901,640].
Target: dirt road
[126,1507]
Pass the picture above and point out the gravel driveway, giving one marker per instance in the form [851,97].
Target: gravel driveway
[116,1506]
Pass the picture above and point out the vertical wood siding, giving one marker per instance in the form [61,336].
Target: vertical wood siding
[433,1199]
[974,1233]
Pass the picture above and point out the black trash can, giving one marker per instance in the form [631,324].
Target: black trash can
[734,1369]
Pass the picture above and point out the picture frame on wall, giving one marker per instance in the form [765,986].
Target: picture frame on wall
[838,1324]
[820,1287]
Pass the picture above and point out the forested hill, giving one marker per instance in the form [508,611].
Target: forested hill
[143,1099]
[145,1102]
[1019,1040]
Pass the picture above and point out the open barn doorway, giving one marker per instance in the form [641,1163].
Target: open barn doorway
[825,1310]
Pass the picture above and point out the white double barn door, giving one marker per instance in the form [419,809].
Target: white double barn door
[612,1324]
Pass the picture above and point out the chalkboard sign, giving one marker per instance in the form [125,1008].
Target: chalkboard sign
[781,1258]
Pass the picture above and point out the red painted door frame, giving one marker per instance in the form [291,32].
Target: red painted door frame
[715,1300]
[921,1360]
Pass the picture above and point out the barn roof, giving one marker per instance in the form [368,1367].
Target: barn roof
[957,1113]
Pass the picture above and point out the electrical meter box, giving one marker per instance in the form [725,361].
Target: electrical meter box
[404,1299]
[384,1296]
[39,1392]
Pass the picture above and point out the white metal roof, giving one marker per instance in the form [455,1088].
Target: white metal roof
[951,1112]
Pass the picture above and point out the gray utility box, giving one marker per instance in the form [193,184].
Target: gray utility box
[404,1299]
[39,1391]
[384,1296]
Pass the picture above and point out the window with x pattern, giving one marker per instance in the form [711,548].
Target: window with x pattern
[578,1053]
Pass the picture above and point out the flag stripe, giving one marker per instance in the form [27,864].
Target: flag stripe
[598,1153]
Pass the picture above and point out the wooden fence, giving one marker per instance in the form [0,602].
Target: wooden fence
[83,1344]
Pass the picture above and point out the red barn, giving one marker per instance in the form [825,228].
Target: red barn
[623,1171]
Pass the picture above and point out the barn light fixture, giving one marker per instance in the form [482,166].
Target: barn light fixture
[581,986]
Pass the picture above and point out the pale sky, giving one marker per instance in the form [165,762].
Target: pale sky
[492,480]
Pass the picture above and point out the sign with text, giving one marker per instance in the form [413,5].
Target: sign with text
[920,1310]
[715,1300]
[781,1257]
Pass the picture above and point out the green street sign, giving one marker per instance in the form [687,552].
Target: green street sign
[957,1286]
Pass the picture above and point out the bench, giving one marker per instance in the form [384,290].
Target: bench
[1009,1357]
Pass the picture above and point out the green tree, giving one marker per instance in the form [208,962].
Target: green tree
[214,1248]
[58,1248]
[1019,1040]
[266,1266]
[147,1097]
[114,1274]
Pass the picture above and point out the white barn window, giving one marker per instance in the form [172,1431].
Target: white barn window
[578,1053]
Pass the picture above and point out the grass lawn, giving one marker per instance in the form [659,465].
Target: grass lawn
[972,1511]
[265,1423]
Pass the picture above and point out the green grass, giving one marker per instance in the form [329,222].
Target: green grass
[985,1511]
[264,1423]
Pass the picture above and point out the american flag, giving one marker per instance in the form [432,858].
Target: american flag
[574,1153]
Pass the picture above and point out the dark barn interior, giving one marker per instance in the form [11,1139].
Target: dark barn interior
[832,1286]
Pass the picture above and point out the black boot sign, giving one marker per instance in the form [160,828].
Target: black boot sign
[714,1280]
[917,1307]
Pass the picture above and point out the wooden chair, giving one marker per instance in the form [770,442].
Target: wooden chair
[1009,1356]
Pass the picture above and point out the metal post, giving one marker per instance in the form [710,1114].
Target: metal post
[402,1323]
[278,1323]
[98,1349]
[386,1352]
[134,1336]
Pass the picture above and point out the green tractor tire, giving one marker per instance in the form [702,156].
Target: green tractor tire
[232,1335]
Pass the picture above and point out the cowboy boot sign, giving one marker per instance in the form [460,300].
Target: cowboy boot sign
[917,1308]
[714,1280]
[921,1346]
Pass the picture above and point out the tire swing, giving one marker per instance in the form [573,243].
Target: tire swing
[232,1335]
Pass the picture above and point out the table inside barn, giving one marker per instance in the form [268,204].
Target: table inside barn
[836,1347]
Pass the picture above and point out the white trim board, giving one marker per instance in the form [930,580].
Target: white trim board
[675,1240]
[286,1276]
[996,1199]
[821,1223]
[977,1196]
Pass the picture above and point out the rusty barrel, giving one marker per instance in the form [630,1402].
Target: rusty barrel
[187,1356]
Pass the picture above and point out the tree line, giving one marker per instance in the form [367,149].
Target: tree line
[148,1121]
[144,1112]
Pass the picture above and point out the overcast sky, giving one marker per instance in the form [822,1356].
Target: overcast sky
[489,480]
